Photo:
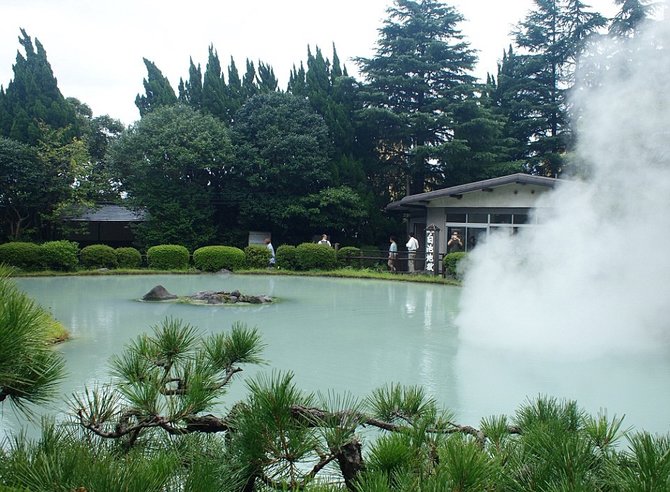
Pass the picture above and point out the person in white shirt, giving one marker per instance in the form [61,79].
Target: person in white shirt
[324,240]
[412,247]
[268,245]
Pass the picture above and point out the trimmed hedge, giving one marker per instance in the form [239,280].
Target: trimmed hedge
[128,257]
[215,258]
[349,256]
[60,255]
[257,256]
[167,257]
[312,256]
[451,263]
[98,256]
[286,257]
[21,255]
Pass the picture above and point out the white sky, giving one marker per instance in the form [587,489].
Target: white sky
[96,47]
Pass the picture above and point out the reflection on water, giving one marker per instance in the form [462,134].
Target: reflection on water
[345,335]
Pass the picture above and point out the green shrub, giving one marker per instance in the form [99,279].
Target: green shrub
[167,257]
[349,256]
[373,252]
[98,256]
[215,258]
[451,263]
[312,256]
[128,257]
[257,256]
[286,257]
[21,255]
[60,255]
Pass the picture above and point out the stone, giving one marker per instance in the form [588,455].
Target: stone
[158,293]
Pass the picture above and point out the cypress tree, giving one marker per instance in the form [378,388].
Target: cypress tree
[157,88]
[190,92]
[32,100]
[214,92]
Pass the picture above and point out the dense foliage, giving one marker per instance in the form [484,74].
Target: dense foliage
[168,257]
[98,256]
[215,258]
[128,257]
[229,152]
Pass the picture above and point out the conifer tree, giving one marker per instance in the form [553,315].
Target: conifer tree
[249,86]
[158,91]
[214,97]
[554,35]
[32,100]
[190,92]
[631,15]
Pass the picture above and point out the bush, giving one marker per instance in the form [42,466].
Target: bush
[21,255]
[99,256]
[167,257]
[60,255]
[451,264]
[215,258]
[257,256]
[128,257]
[286,257]
[312,256]
[349,256]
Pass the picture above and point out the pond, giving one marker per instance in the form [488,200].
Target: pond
[348,336]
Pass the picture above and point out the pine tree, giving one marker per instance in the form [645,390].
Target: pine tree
[554,35]
[632,14]
[157,88]
[421,68]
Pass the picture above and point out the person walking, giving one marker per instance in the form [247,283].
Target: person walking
[393,255]
[412,247]
[268,245]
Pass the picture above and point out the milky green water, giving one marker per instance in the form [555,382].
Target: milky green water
[348,336]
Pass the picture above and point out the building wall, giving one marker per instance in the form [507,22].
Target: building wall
[512,195]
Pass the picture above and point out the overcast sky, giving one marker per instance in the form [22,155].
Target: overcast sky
[96,47]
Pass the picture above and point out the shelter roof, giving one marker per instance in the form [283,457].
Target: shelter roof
[422,199]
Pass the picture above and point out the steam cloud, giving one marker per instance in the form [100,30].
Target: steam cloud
[595,278]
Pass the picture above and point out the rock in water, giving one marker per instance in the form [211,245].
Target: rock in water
[158,293]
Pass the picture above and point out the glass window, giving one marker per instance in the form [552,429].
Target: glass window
[501,218]
[521,218]
[478,218]
[455,217]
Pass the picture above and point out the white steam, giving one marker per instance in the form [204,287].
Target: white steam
[595,278]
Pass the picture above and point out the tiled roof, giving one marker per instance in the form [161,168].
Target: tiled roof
[109,213]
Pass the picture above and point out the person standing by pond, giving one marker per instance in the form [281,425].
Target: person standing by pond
[412,247]
[268,245]
[393,255]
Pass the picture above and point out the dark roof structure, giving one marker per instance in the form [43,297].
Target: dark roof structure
[109,213]
[422,199]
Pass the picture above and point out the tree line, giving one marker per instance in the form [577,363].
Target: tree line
[229,152]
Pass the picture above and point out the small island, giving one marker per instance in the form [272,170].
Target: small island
[206,297]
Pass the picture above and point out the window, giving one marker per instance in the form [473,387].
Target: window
[455,217]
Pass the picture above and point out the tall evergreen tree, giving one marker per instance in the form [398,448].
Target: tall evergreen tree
[631,15]
[157,88]
[420,70]
[32,100]
[554,34]
[190,92]
[214,97]
[249,86]
[267,80]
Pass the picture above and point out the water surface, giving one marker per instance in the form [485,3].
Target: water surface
[348,336]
